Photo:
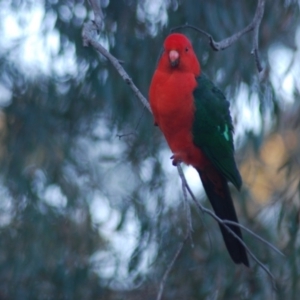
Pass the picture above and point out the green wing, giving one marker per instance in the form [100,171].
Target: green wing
[212,129]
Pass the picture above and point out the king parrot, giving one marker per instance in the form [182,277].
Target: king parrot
[194,116]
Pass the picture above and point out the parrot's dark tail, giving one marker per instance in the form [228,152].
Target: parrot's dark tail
[217,191]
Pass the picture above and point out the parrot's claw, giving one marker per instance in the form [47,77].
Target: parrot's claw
[176,160]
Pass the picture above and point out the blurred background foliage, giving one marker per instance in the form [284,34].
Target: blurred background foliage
[91,207]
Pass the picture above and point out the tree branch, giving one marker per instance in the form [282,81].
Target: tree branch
[89,38]
[227,42]
[254,235]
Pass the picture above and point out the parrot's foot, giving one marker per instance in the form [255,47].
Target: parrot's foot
[176,159]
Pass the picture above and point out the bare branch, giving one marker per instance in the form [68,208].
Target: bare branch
[256,23]
[225,43]
[254,235]
[89,38]
[221,45]
[187,207]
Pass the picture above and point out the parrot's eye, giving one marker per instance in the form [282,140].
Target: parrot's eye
[186,49]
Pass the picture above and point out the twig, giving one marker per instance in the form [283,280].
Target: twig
[224,222]
[187,207]
[256,24]
[183,187]
[225,43]
[169,268]
[254,235]
[120,136]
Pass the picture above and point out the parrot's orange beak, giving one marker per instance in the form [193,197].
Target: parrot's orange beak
[174,58]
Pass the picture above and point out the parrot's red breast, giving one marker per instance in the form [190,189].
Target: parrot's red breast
[169,87]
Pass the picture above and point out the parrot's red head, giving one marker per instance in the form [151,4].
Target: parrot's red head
[179,54]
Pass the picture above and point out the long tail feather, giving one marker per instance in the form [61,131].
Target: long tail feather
[216,188]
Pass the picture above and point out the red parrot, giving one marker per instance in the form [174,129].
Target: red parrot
[194,117]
